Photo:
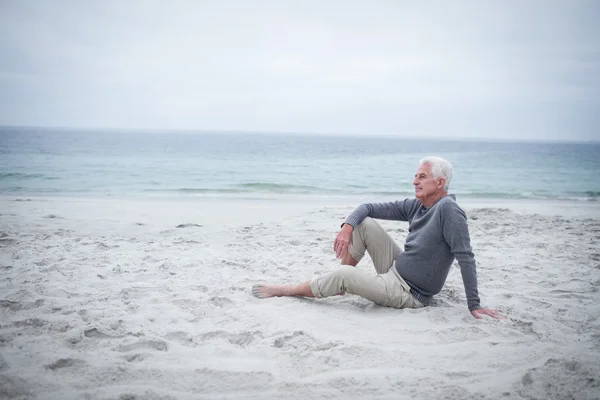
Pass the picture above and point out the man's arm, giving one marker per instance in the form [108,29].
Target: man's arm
[398,210]
[456,233]
[401,210]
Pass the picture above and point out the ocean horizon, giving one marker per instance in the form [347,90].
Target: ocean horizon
[250,165]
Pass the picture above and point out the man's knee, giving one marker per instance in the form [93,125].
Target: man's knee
[367,222]
[367,225]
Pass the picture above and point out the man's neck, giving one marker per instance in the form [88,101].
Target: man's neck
[433,199]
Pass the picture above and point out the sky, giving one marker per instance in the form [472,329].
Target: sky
[468,69]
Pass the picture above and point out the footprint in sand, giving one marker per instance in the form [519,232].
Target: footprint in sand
[526,327]
[189,225]
[561,379]
[34,322]
[241,339]
[143,345]
[65,363]
[104,246]
[5,240]
[461,334]
[95,333]
[136,357]
[298,340]
[181,337]
[199,288]
[18,305]
[221,301]
[53,216]
[12,387]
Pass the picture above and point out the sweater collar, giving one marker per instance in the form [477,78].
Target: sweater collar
[425,209]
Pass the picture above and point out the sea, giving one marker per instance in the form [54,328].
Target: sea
[226,165]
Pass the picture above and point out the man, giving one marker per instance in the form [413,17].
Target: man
[438,234]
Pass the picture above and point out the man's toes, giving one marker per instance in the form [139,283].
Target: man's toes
[257,292]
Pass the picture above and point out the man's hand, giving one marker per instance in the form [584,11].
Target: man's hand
[480,312]
[342,240]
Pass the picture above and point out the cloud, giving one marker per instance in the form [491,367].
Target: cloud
[506,70]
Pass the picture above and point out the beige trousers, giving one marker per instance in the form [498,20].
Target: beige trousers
[386,288]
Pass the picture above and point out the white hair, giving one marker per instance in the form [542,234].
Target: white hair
[440,168]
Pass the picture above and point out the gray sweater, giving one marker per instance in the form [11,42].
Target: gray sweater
[437,235]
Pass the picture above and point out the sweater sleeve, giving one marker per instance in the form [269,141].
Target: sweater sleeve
[456,233]
[401,210]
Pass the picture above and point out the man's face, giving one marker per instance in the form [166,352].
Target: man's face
[426,187]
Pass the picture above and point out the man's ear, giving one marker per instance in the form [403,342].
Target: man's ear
[441,183]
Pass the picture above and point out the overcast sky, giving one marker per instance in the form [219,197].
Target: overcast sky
[504,69]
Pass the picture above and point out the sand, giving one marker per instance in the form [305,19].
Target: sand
[151,299]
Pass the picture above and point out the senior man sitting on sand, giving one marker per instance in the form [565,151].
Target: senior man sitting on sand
[438,233]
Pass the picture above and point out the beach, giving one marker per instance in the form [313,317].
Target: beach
[106,298]
[159,160]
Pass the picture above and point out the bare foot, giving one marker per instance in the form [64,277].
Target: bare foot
[263,291]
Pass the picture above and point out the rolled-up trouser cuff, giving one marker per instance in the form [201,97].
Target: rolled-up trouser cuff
[314,287]
[356,254]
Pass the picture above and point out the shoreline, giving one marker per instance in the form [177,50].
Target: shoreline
[572,208]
